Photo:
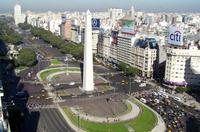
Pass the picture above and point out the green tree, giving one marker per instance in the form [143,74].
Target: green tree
[26,57]
[180,89]
[24,26]
[65,47]
[128,70]
[8,35]
[122,66]
[132,71]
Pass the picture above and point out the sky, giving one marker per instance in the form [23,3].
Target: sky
[102,5]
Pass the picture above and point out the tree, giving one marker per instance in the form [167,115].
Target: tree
[8,35]
[14,38]
[26,57]
[24,26]
[128,70]
[132,71]
[122,66]
[182,89]
[63,46]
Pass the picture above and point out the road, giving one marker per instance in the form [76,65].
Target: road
[49,119]
[46,120]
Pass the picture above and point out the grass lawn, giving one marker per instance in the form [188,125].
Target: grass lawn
[145,122]
[46,73]
[56,62]
[21,68]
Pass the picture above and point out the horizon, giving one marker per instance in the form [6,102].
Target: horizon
[157,6]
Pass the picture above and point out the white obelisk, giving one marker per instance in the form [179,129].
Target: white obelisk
[88,84]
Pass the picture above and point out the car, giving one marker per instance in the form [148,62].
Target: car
[138,81]
[57,84]
[72,83]
[177,99]
[155,93]
[143,100]
[165,95]
[21,95]
[142,85]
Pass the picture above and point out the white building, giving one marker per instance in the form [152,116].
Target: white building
[144,56]
[183,66]
[95,35]
[18,16]
[104,46]
[95,39]
[115,14]
[125,44]
[131,50]
[54,26]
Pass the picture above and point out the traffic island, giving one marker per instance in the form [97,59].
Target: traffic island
[68,80]
[145,120]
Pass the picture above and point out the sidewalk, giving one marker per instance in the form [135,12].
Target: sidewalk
[75,128]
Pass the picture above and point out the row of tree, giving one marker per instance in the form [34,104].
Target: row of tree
[26,57]
[64,46]
[24,26]
[128,70]
[8,35]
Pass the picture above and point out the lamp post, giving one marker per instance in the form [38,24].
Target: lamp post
[78,116]
[130,85]
[66,60]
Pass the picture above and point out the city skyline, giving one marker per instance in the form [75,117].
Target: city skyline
[98,5]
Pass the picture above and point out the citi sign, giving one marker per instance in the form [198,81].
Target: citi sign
[175,36]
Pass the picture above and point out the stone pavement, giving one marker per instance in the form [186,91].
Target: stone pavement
[131,115]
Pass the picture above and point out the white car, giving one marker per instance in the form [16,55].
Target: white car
[155,93]
[72,83]
[165,96]
[142,85]
[138,81]
[57,84]
[177,99]
[143,100]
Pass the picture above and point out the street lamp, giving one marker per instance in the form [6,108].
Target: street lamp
[130,85]
[66,60]
[78,108]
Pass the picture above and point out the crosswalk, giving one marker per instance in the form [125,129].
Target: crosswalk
[33,106]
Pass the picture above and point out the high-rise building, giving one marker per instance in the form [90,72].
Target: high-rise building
[125,44]
[144,56]
[115,14]
[18,16]
[65,30]
[183,66]
[95,39]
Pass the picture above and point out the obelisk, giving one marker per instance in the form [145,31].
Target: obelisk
[88,84]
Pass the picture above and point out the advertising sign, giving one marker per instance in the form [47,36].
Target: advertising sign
[95,23]
[128,26]
[114,35]
[175,36]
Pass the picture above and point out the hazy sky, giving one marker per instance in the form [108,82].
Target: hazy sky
[100,5]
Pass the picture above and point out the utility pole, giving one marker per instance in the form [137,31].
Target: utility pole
[129,85]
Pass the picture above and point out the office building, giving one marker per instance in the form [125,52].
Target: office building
[18,16]
[183,66]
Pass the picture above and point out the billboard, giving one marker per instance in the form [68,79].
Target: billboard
[175,36]
[114,35]
[128,26]
[95,23]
